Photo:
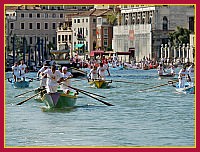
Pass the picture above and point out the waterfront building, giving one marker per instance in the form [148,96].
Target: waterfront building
[31,29]
[146,27]
[91,31]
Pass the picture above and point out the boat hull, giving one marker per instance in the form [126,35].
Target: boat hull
[100,83]
[20,84]
[59,100]
[188,89]
[165,76]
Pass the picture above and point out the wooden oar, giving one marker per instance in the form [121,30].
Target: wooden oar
[24,93]
[127,82]
[79,70]
[29,98]
[84,91]
[106,103]
[154,87]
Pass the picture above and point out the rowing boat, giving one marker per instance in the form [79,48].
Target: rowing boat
[99,83]
[166,76]
[188,89]
[20,84]
[59,99]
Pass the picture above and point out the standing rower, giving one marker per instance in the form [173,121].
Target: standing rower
[23,69]
[43,79]
[15,71]
[183,74]
[53,77]
[66,80]
[101,71]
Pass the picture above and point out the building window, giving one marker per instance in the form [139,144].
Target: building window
[61,15]
[53,15]
[78,21]
[63,38]
[46,15]
[38,26]
[30,15]
[38,15]
[30,40]
[70,38]
[94,20]
[165,23]
[105,42]
[54,40]
[99,21]
[83,20]
[86,31]
[105,31]
[58,38]
[30,26]
[150,20]
[94,32]
[191,24]
[74,20]
[22,26]
[53,25]
[66,38]
[22,15]
[86,20]
[11,25]
[46,26]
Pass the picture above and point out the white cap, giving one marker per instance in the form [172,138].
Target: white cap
[64,68]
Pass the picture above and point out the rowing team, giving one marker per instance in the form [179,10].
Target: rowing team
[19,71]
[98,73]
[50,78]
[184,75]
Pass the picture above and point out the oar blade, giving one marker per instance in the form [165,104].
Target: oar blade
[29,98]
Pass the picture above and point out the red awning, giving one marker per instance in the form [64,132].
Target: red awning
[98,52]
[123,53]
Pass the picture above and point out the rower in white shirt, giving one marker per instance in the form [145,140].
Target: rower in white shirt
[66,80]
[23,69]
[43,79]
[53,78]
[15,71]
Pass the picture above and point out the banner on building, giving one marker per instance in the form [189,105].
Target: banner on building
[131,35]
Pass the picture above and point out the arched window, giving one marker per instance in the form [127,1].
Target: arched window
[165,23]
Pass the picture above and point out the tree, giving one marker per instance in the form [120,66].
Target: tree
[180,36]
[112,17]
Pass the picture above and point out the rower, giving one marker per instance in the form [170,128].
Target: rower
[183,74]
[23,69]
[160,69]
[101,71]
[93,73]
[43,79]
[53,78]
[191,72]
[15,71]
[66,80]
